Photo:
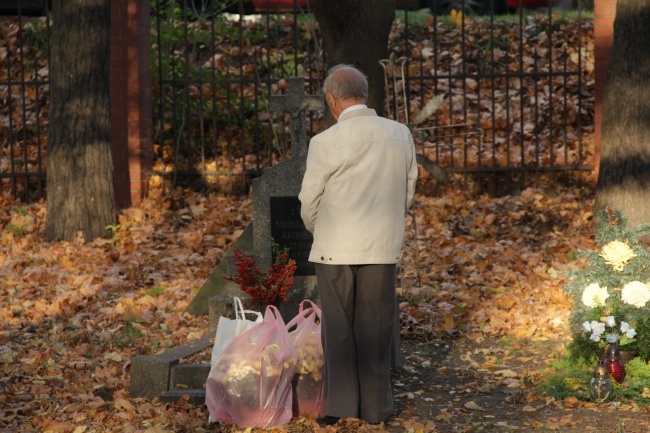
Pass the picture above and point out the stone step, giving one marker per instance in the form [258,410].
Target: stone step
[188,376]
[150,374]
[196,396]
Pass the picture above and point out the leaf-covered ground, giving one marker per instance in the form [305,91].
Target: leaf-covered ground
[73,315]
[483,306]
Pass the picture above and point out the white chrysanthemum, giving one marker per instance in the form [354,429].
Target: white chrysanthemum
[586,327]
[598,328]
[617,254]
[611,321]
[635,293]
[594,296]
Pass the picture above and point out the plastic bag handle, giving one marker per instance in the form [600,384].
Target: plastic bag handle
[303,313]
[313,305]
[240,313]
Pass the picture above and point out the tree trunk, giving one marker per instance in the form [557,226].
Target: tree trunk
[80,192]
[356,32]
[624,176]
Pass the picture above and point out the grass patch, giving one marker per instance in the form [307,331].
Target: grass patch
[569,377]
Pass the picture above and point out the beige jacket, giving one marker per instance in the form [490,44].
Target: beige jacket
[359,182]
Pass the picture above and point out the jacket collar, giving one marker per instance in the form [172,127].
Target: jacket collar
[355,113]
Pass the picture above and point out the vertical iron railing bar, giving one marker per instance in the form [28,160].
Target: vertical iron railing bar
[580,76]
[407,56]
[214,135]
[161,96]
[39,149]
[269,86]
[566,108]
[313,84]
[267,20]
[12,138]
[21,85]
[177,131]
[229,122]
[435,77]
[240,115]
[186,96]
[23,99]
[509,128]
[174,95]
[451,114]
[493,91]
[201,125]
[285,144]
[296,37]
[256,123]
[420,82]
[463,51]
[522,87]
[536,128]
[551,86]
[479,150]
[422,101]
[192,79]
[48,24]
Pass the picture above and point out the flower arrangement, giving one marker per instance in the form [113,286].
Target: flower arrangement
[264,287]
[611,295]
[621,336]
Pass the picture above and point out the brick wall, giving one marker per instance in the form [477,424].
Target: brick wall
[604,14]
[131,106]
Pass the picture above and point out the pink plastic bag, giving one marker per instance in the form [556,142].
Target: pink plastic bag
[250,383]
[308,389]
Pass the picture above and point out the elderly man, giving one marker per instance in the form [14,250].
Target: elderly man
[359,182]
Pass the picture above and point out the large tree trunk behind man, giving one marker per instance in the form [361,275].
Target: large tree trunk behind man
[624,176]
[80,192]
[356,32]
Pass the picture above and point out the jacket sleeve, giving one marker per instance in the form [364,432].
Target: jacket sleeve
[313,186]
[412,176]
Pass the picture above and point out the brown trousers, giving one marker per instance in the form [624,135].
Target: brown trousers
[358,307]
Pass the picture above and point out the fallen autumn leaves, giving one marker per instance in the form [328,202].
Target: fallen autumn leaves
[74,314]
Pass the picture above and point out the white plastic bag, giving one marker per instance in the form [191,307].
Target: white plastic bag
[228,329]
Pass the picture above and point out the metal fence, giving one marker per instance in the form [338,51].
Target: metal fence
[24,102]
[499,102]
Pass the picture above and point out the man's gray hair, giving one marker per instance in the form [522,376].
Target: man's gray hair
[345,81]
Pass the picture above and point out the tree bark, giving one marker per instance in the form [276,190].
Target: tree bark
[624,176]
[80,191]
[356,32]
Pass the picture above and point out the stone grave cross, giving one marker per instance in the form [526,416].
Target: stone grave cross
[296,103]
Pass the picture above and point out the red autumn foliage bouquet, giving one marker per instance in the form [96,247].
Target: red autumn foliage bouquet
[264,287]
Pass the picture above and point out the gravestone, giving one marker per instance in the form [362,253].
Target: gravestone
[276,215]
[276,208]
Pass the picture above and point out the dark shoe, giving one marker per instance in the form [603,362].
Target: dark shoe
[328,420]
